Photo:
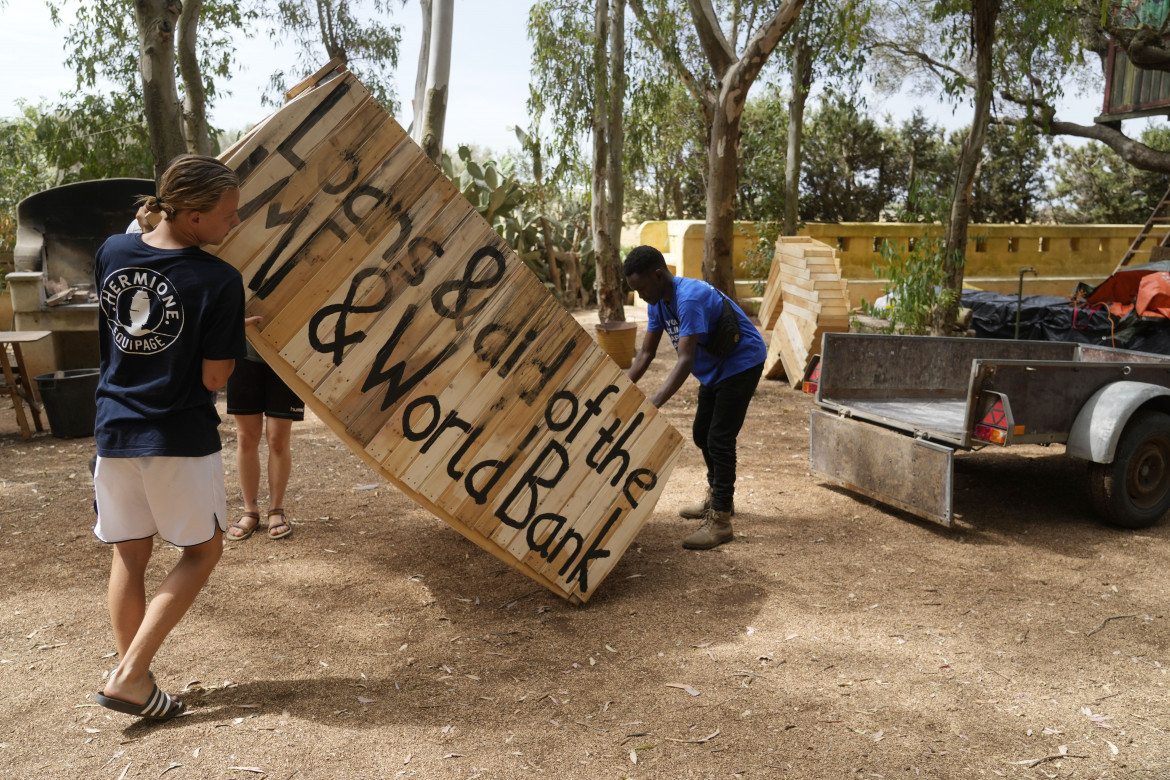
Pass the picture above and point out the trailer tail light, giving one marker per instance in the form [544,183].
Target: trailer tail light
[813,379]
[996,421]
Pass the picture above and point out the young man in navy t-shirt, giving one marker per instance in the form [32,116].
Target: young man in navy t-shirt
[170,326]
[689,310]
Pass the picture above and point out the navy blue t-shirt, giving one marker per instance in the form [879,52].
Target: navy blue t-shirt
[694,311]
[162,312]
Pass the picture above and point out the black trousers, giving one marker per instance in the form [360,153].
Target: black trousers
[721,412]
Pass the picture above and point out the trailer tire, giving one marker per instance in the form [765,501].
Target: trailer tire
[1134,490]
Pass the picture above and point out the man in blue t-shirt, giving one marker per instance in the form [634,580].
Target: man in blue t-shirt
[699,320]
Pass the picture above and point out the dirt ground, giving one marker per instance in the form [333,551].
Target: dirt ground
[834,638]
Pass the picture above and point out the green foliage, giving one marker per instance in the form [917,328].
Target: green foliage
[757,259]
[490,187]
[1010,185]
[847,173]
[762,154]
[665,155]
[1093,185]
[322,29]
[87,137]
[102,42]
[915,272]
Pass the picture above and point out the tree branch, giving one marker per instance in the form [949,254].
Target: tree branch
[940,69]
[1133,152]
[719,52]
[672,59]
[758,49]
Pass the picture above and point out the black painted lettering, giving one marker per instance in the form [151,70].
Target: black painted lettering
[592,409]
[604,437]
[261,283]
[497,469]
[342,338]
[595,552]
[396,386]
[559,425]
[555,521]
[529,485]
[265,199]
[578,542]
[308,123]
[408,424]
[547,371]
[485,349]
[360,193]
[463,288]
[619,452]
[529,337]
[635,478]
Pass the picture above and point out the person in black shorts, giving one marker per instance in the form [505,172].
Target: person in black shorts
[255,392]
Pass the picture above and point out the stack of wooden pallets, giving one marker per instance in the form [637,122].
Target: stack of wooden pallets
[805,298]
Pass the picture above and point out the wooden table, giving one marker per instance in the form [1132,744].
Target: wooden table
[16,381]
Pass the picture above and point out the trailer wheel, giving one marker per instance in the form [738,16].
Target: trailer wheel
[1134,490]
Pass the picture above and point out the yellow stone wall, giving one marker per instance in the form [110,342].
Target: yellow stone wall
[1063,255]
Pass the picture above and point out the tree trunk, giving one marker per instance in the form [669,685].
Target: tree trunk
[801,80]
[195,97]
[550,254]
[722,177]
[438,74]
[616,180]
[160,95]
[420,78]
[983,18]
[609,305]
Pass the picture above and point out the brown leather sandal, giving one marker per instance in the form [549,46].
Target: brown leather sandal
[282,526]
[244,530]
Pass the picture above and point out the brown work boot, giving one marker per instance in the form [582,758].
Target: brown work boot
[715,530]
[695,511]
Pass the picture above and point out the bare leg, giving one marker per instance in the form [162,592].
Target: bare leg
[131,681]
[278,433]
[249,428]
[127,593]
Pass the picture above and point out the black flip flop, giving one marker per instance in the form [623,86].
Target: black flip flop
[159,706]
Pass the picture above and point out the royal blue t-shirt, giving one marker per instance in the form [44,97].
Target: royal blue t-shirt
[694,311]
[161,313]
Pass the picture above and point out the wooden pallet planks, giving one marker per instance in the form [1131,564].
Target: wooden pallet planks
[806,277]
[429,348]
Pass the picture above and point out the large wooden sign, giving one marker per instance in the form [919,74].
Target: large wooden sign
[407,325]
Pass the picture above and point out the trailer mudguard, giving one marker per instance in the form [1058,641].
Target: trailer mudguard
[1101,420]
[911,474]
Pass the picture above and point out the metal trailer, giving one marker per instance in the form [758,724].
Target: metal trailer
[894,409]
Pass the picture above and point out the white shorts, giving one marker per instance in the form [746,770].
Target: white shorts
[180,499]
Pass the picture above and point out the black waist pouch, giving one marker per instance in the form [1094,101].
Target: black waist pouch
[725,336]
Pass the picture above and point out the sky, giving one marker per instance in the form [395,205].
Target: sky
[491,59]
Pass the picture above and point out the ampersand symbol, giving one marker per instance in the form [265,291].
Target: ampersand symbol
[342,339]
[468,284]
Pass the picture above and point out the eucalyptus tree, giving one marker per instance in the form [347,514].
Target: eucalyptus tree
[826,44]
[580,81]
[434,72]
[141,47]
[720,85]
[351,31]
[957,44]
